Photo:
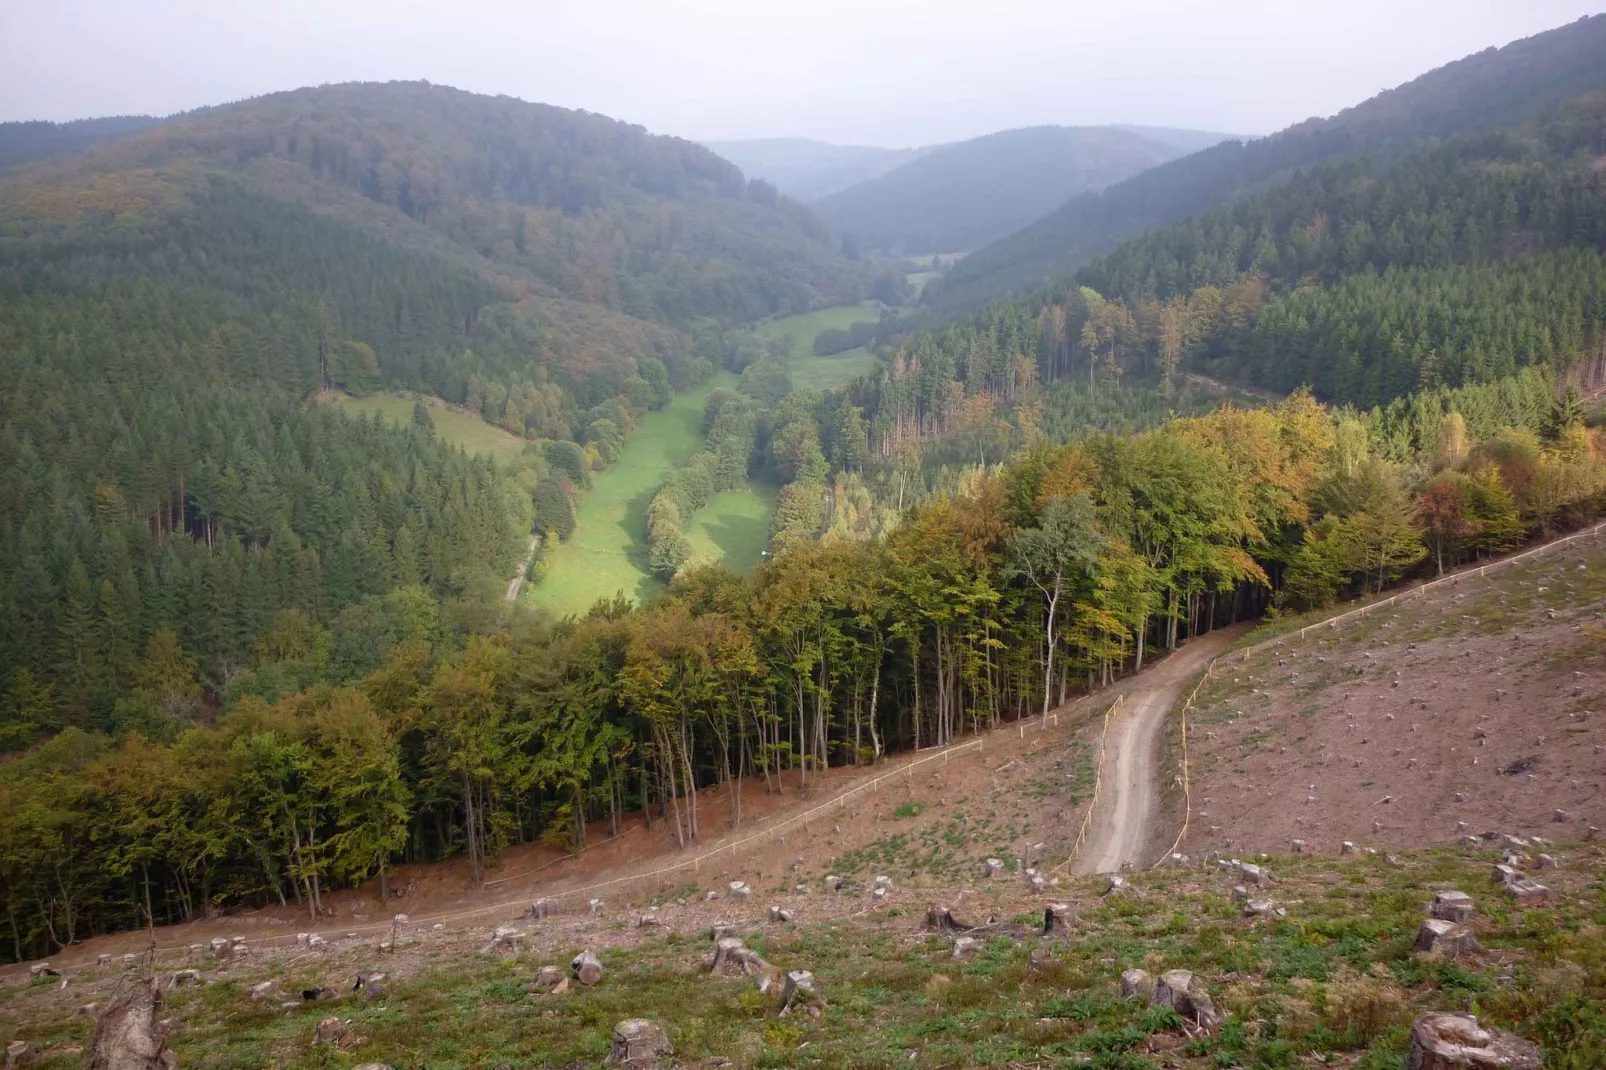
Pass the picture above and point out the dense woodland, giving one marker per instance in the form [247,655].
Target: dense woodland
[252,649]
[420,734]
[1493,90]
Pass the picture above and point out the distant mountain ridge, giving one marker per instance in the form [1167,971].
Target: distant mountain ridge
[962,196]
[807,169]
[1493,89]
[26,141]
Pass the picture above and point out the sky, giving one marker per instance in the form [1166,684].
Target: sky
[880,72]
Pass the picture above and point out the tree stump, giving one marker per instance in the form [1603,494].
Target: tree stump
[740,890]
[1442,1041]
[799,990]
[504,941]
[1137,984]
[965,946]
[1529,893]
[587,968]
[1253,874]
[638,1042]
[19,1054]
[719,930]
[942,920]
[1262,908]
[727,952]
[833,882]
[649,920]
[1181,991]
[185,977]
[780,915]
[329,1029]
[1037,883]
[265,990]
[126,1037]
[1447,938]
[548,977]
[1059,919]
[1452,906]
[992,868]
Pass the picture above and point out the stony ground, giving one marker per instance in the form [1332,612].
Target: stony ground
[1333,979]
[1474,707]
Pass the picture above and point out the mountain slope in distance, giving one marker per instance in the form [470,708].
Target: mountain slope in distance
[26,141]
[807,169]
[1494,89]
[961,196]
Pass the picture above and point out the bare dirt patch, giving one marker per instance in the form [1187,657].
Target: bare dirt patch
[1476,707]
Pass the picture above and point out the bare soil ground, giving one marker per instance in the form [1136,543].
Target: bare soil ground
[1472,708]
[1128,815]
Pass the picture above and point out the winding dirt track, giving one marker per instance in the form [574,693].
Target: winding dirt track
[1129,802]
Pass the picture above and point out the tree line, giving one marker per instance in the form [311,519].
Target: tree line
[431,733]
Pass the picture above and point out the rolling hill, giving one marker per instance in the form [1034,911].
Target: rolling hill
[808,169]
[171,299]
[22,142]
[1494,89]
[962,196]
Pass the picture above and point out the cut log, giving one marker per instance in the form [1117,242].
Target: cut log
[1447,938]
[1452,906]
[586,968]
[638,1042]
[126,1036]
[1443,1041]
[1059,919]
[1182,992]
[1137,984]
[1263,908]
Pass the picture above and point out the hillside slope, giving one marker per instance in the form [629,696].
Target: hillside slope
[1468,709]
[25,141]
[960,197]
[807,169]
[1494,89]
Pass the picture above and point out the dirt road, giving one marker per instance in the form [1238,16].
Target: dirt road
[517,582]
[1129,802]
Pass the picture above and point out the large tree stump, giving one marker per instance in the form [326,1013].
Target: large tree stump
[740,890]
[541,908]
[1182,992]
[1530,893]
[727,952]
[1442,1041]
[504,941]
[126,1037]
[1452,906]
[799,991]
[941,920]
[992,867]
[1440,937]
[587,968]
[1137,984]
[1059,919]
[638,1042]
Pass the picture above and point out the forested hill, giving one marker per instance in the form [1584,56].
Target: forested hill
[170,303]
[807,169]
[22,142]
[960,197]
[1493,89]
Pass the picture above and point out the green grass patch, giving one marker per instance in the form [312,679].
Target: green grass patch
[800,330]
[451,424]
[734,527]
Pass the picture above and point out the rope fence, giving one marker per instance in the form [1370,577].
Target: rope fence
[1243,655]
[1098,780]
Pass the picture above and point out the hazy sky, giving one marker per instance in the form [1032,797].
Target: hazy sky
[891,72]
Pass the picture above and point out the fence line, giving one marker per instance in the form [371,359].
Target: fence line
[1452,580]
[1098,779]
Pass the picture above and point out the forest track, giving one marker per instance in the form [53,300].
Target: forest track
[516,584]
[1129,799]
